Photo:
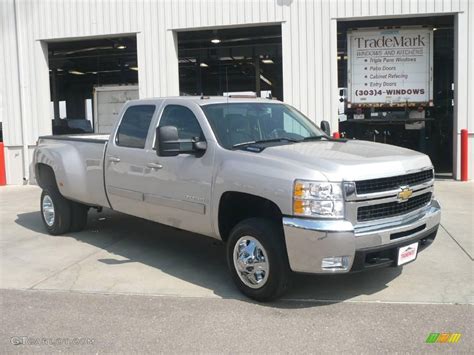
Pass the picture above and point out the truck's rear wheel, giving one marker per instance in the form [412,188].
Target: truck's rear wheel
[78,216]
[257,259]
[55,211]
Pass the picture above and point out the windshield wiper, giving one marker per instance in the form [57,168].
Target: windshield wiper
[315,138]
[265,141]
[318,138]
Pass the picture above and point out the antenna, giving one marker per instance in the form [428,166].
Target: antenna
[224,111]
[227,84]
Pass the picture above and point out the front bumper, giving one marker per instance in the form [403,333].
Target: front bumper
[309,241]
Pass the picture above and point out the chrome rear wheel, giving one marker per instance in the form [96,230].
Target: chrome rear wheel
[48,210]
[55,211]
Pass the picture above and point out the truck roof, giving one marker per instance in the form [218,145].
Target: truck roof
[207,100]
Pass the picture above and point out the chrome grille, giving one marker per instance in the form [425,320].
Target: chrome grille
[393,183]
[391,209]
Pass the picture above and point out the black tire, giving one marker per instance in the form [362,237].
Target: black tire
[78,216]
[270,235]
[62,211]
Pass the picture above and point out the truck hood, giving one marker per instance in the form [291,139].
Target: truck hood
[350,161]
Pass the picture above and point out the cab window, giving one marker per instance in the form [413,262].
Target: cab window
[185,121]
[134,126]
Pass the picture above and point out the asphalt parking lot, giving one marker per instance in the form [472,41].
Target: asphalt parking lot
[129,284]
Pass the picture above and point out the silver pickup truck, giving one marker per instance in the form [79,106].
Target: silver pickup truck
[278,190]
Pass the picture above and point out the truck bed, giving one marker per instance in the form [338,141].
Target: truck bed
[78,164]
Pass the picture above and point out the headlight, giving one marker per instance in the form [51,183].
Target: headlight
[318,199]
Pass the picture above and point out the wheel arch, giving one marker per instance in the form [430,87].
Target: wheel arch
[45,176]
[235,207]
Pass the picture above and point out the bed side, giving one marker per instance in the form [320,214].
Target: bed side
[77,163]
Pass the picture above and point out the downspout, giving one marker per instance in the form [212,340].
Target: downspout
[24,132]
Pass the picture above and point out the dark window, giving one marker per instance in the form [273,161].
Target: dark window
[236,123]
[134,127]
[184,120]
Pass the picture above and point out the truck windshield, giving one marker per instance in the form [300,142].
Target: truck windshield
[235,124]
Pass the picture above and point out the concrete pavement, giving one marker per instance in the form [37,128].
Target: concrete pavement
[123,254]
[457,201]
[126,259]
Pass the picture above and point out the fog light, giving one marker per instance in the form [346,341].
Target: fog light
[335,263]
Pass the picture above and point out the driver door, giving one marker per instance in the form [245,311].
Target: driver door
[178,190]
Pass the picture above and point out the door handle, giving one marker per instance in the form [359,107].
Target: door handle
[114,159]
[154,165]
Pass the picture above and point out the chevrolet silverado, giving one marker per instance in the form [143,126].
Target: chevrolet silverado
[257,174]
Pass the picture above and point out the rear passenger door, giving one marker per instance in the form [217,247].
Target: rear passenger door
[126,160]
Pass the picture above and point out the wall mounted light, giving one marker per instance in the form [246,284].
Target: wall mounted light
[76,72]
[265,80]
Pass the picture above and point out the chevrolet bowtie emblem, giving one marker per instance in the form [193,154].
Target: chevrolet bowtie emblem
[405,194]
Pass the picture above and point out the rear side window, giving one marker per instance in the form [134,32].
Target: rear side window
[134,126]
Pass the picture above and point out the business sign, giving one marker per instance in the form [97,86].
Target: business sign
[390,67]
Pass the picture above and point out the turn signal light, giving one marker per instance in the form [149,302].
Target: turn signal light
[298,206]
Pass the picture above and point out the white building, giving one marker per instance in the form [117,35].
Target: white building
[311,58]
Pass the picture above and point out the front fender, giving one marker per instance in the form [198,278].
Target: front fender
[254,174]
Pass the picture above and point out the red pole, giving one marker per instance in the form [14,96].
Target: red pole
[336,135]
[3,179]
[464,154]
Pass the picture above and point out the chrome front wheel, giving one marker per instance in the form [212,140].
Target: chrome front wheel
[257,259]
[48,210]
[251,262]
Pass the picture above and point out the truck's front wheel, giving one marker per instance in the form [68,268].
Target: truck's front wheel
[257,259]
[55,211]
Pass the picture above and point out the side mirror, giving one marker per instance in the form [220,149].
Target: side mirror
[326,127]
[167,141]
[168,144]
[200,146]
